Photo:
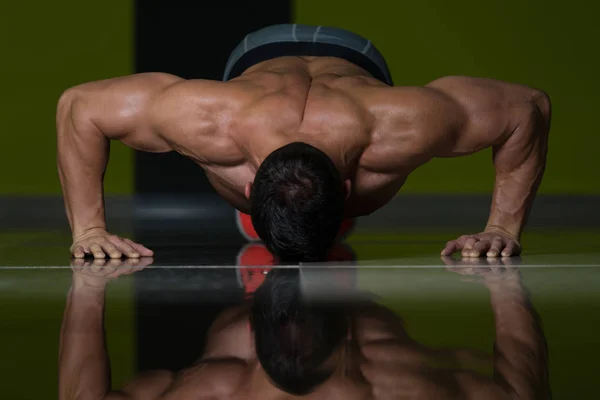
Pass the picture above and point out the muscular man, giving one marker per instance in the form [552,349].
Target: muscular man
[277,350]
[306,128]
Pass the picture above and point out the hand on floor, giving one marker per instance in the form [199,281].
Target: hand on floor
[487,271]
[491,243]
[97,273]
[101,244]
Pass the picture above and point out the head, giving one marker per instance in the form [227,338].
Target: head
[294,339]
[297,203]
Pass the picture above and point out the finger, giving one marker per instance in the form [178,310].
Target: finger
[110,249]
[495,248]
[98,264]
[78,252]
[459,270]
[451,247]
[131,265]
[449,261]
[480,248]
[78,263]
[121,267]
[96,250]
[144,262]
[125,247]
[493,262]
[468,270]
[511,249]
[143,251]
[512,261]
[115,263]
[131,262]
[469,243]
[497,269]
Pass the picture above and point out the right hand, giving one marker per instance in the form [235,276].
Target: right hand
[101,244]
[97,273]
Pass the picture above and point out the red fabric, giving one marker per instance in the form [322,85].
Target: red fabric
[255,260]
[245,224]
[247,229]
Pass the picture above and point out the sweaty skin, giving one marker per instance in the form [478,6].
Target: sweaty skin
[378,361]
[376,135]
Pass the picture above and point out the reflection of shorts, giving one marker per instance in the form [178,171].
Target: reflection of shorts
[304,40]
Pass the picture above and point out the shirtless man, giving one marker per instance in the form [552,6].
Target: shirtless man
[306,129]
[278,350]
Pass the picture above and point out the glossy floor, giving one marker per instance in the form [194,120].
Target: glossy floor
[158,317]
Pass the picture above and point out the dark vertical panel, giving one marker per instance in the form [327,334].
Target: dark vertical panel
[191,39]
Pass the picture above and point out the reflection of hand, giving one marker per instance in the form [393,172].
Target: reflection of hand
[487,270]
[97,273]
[491,243]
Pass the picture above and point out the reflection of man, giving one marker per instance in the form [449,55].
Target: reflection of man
[281,346]
[306,129]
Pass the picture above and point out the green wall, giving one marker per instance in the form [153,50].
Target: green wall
[46,48]
[545,44]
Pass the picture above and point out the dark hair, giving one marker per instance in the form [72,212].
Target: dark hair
[297,203]
[293,338]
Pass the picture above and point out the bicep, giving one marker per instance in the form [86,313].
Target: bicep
[475,113]
[119,108]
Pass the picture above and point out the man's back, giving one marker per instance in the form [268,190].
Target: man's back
[358,121]
[375,134]
[379,361]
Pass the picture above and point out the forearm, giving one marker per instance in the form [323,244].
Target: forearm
[520,164]
[82,156]
[84,370]
[513,197]
[520,352]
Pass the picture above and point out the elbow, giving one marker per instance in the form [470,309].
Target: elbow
[65,102]
[543,106]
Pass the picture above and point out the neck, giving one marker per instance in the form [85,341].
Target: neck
[262,388]
[257,154]
[339,362]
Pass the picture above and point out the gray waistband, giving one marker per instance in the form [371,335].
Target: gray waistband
[293,39]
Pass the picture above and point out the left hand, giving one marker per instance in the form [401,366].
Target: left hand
[492,272]
[491,243]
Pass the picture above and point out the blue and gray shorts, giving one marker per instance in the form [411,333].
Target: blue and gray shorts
[305,40]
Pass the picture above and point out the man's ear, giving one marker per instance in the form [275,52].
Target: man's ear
[348,187]
[248,190]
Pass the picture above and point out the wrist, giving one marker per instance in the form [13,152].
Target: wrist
[512,231]
[93,230]
[80,288]
[88,284]
[506,287]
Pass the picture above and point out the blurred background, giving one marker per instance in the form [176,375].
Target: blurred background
[48,47]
